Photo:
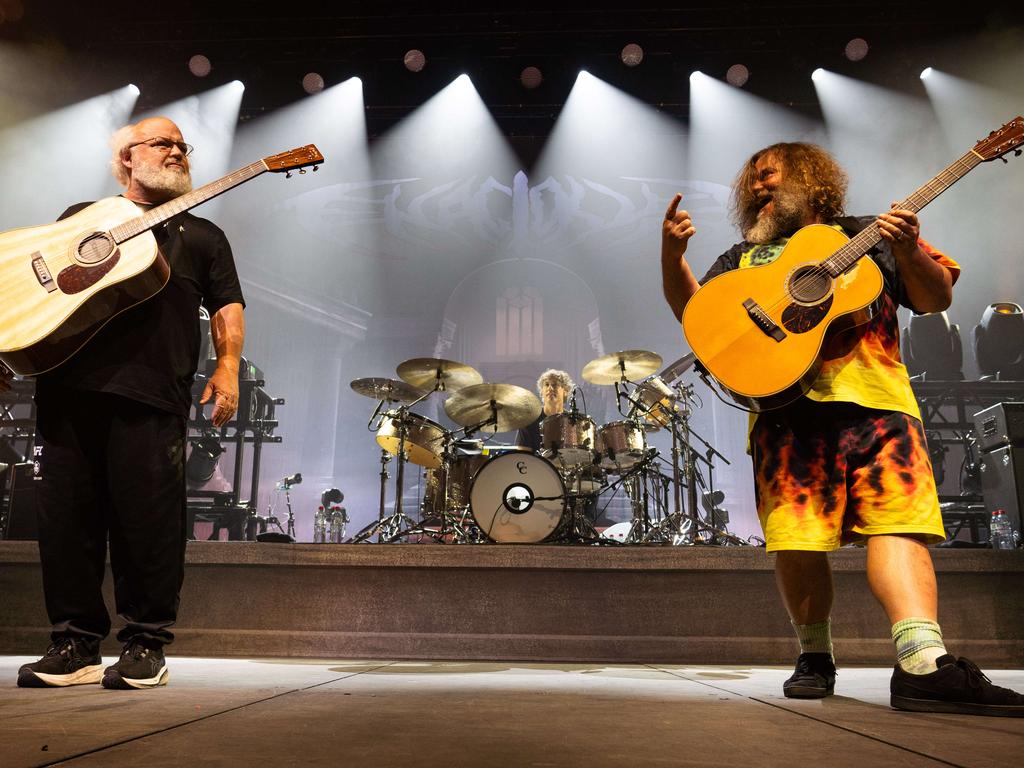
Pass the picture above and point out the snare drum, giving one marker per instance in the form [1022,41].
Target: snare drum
[424,439]
[621,444]
[517,497]
[568,439]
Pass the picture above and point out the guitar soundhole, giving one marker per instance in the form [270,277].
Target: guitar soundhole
[809,285]
[95,248]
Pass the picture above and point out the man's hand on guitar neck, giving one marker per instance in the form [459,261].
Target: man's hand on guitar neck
[929,285]
[677,278]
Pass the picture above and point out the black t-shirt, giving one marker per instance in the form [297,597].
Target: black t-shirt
[529,435]
[150,352]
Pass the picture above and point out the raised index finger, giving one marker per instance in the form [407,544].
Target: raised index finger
[670,212]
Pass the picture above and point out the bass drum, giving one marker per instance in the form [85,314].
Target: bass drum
[517,498]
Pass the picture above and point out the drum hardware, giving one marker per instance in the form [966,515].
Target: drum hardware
[393,435]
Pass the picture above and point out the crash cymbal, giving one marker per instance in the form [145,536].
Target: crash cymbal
[428,373]
[632,364]
[514,407]
[392,390]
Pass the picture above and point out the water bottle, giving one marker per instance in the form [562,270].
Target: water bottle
[320,526]
[336,534]
[1000,532]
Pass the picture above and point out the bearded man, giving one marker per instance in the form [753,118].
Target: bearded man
[111,430]
[847,462]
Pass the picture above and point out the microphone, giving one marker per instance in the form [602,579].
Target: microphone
[572,400]
[289,481]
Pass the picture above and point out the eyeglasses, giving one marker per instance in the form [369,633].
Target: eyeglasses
[162,144]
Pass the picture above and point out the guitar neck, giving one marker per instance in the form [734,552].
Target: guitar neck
[161,213]
[869,237]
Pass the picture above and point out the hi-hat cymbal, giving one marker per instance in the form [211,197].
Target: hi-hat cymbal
[428,373]
[392,390]
[631,364]
[514,407]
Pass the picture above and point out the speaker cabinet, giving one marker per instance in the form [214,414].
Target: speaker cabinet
[1002,483]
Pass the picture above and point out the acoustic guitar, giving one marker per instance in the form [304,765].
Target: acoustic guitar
[60,283]
[760,331]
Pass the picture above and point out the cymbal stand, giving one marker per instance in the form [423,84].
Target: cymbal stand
[388,528]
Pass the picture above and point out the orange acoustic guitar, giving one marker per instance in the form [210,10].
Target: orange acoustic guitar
[60,283]
[760,331]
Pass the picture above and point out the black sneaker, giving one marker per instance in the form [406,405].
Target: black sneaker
[814,678]
[138,667]
[66,662]
[956,686]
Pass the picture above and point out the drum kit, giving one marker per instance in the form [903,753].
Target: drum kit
[477,492]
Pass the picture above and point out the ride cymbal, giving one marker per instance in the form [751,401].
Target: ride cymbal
[391,390]
[630,364]
[513,407]
[430,373]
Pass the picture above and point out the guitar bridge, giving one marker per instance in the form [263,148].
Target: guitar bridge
[761,319]
[42,272]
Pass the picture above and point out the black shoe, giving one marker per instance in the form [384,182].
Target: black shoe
[66,662]
[138,667]
[956,686]
[814,678]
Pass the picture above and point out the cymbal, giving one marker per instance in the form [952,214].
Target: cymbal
[514,406]
[392,390]
[632,363]
[425,372]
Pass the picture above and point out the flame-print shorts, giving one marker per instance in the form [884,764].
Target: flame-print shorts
[828,474]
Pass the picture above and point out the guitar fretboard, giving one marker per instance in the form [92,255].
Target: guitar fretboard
[868,238]
[156,216]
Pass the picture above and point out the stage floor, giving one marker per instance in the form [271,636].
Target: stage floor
[384,713]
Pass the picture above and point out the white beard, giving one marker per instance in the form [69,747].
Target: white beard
[164,181]
[788,213]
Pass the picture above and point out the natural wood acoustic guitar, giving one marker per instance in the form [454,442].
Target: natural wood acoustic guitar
[60,283]
[760,331]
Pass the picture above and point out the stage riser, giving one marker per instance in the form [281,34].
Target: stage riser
[679,605]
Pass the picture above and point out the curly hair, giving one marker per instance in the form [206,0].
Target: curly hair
[563,379]
[810,165]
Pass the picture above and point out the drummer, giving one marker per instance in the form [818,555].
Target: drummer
[554,387]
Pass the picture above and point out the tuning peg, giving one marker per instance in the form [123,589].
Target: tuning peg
[317,167]
[302,171]
[1003,158]
[287,174]
[1016,153]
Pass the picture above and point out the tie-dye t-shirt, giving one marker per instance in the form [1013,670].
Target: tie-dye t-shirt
[862,365]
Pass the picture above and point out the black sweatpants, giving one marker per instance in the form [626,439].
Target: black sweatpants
[110,466]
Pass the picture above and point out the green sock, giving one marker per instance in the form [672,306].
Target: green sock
[815,638]
[918,645]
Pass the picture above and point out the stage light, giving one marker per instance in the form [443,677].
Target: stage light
[531,77]
[414,60]
[695,74]
[632,55]
[817,74]
[312,83]
[133,89]
[199,65]
[737,75]
[926,72]
[238,84]
[856,49]
[999,341]
[203,460]
[932,348]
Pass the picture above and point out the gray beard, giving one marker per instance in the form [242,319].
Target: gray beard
[166,182]
[789,211]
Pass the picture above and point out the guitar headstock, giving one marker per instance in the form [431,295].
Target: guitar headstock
[293,159]
[1001,141]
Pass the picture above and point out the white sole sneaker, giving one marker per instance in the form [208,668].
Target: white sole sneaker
[84,676]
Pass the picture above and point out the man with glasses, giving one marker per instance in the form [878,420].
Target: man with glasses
[111,429]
